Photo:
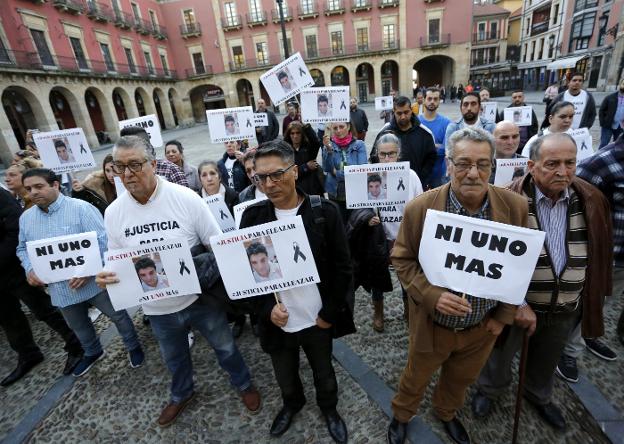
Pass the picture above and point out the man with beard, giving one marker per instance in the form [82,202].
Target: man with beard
[469,106]
[437,123]
[611,115]
[526,132]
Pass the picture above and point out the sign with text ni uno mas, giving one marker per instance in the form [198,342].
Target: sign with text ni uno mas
[478,257]
[150,124]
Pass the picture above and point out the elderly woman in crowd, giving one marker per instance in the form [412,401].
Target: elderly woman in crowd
[13,179]
[211,184]
[231,167]
[99,187]
[174,152]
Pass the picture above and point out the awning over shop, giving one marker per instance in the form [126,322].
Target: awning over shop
[568,62]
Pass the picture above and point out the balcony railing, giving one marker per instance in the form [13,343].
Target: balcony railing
[478,61]
[232,23]
[188,30]
[199,71]
[309,11]
[389,3]
[361,5]
[256,19]
[275,15]
[318,55]
[71,6]
[99,12]
[142,26]
[485,37]
[539,28]
[24,60]
[123,20]
[333,7]
[435,41]
[159,32]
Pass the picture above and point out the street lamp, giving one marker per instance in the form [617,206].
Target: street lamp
[280,6]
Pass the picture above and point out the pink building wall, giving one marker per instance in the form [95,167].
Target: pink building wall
[456,19]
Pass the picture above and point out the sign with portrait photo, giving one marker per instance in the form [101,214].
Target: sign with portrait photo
[230,124]
[151,272]
[489,110]
[61,258]
[277,255]
[287,79]
[479,257]
[508,169]
[221,212]
[261,119]
[64,150]
[239,209]
[150,124]
[584,143]
[384,103]
[377,185]
[520,115]
[326,104]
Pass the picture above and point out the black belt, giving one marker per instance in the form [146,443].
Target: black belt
[458,329]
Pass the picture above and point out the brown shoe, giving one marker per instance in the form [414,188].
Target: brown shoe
[172,410]
[251,399]
[378,316]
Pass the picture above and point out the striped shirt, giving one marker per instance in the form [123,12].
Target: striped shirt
[480,307]
[553,218]
[64,216]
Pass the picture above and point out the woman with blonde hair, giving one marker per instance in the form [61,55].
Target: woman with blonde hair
[13,179]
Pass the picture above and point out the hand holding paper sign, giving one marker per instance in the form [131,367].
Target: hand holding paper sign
[279,315]
[33,279]
[104,278]
[76,283]
[452,305]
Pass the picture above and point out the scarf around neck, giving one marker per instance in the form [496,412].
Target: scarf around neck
[343,142]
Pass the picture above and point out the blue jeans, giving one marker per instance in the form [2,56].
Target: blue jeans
[77,317]
[607,133]
[171,332]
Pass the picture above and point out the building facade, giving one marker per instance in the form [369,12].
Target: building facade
[89,64]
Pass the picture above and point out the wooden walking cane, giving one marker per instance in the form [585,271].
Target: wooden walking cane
[521,371]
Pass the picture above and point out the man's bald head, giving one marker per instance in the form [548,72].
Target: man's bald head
[506,139]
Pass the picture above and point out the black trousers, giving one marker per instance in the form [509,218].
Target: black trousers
[317,345]
[16,326]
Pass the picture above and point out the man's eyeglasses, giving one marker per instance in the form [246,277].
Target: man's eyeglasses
[390,155]
[462,166]
[135,167]
[275,176]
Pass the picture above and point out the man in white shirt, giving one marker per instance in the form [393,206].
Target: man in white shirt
[307,317]
[152,210]
[583,101]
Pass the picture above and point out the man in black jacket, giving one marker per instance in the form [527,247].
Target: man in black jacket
[358,119]
[526,132]
[610,123]
[307,317]
[417,142]
[15,288]
[270,132]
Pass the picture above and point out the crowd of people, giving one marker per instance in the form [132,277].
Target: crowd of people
[302,172]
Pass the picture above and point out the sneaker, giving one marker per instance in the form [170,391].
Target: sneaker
[191,339]
[136,357]
[600,349]
[86,363]
[567,368]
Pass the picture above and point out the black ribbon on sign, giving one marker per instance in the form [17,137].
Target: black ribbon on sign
[401,186]
[298,253]
[301,72]
[183,268]
[249,123]
[222,214]
[342,105]
[583,146]
[82,149]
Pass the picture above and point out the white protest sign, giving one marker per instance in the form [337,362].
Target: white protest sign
[287,79]
[150,124]
[64,150]
[240,208]
[61,258]
[509,169]
[376,185]
[489,110]
[221,213]
[265,258]
[230,124]
[261,119]
[326,104]
[478,257]
[383,103]
[520,115]
[119,186]
[584,143]
[151,272]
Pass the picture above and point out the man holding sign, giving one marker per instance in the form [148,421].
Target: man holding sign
[310,316]
[57,215]
[569,282]
[464,327]
[153,210]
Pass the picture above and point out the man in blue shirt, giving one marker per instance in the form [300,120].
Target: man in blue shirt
[437,123]
[55,215]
